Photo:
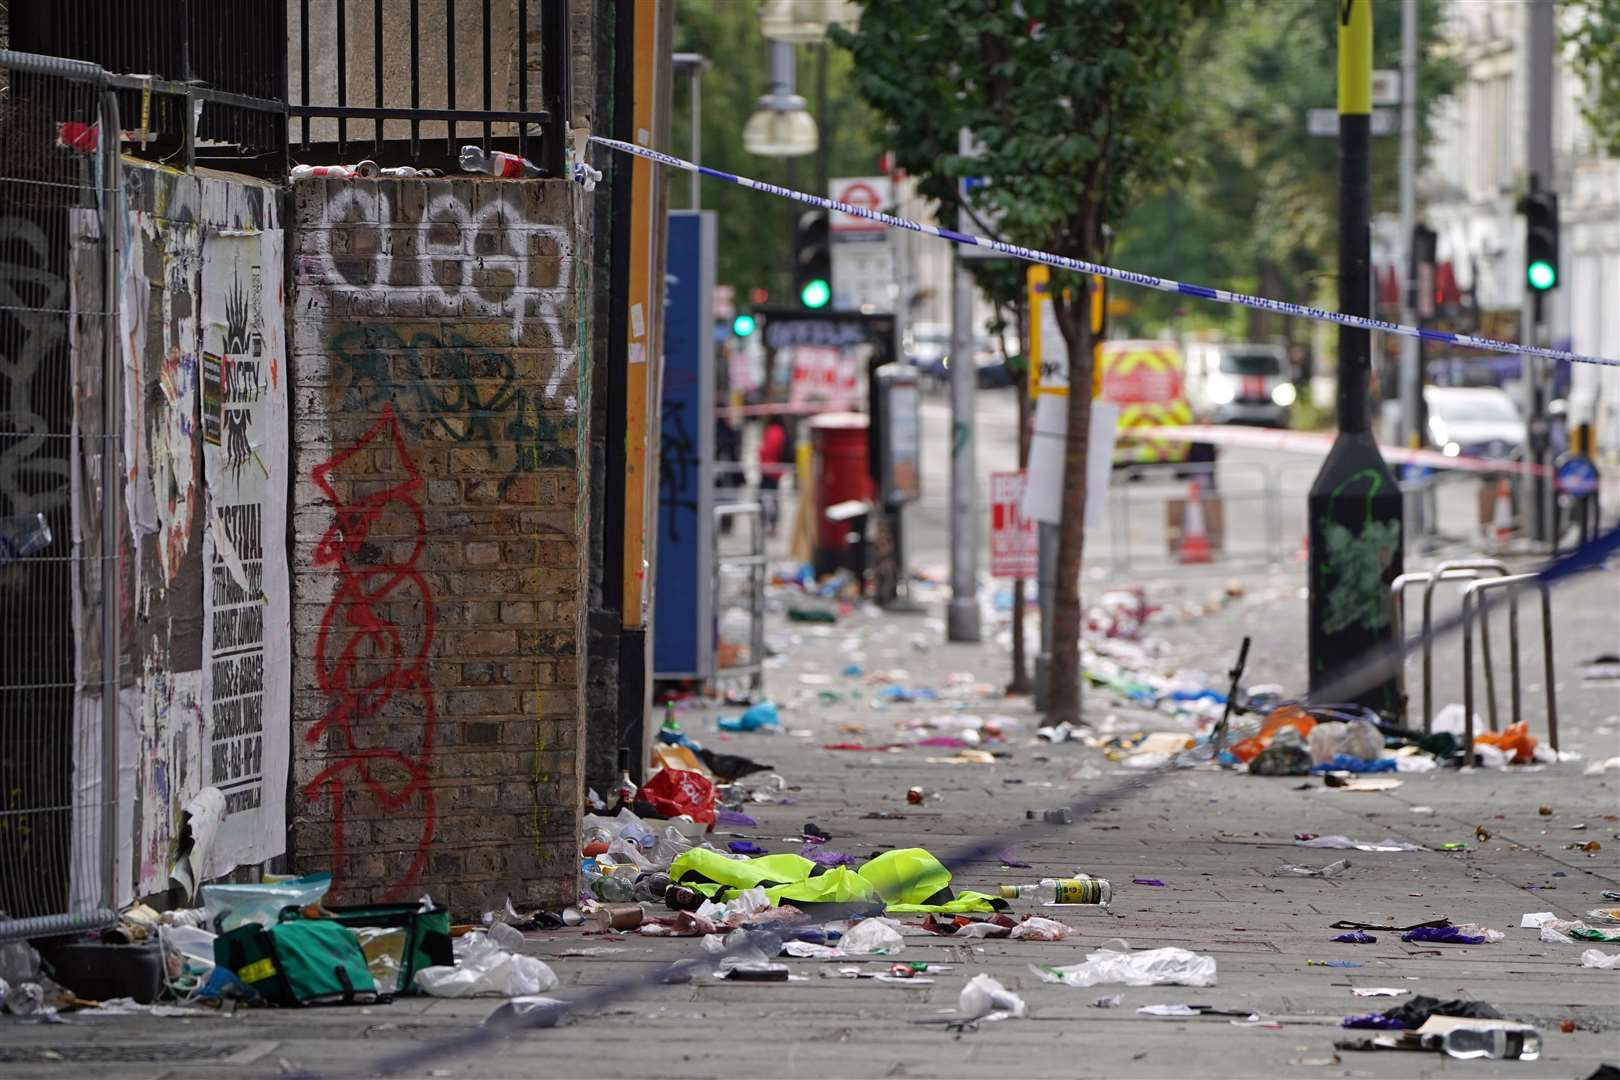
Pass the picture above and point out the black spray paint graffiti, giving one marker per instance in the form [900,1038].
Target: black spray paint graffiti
[677,469]
[448,389]
[34,472]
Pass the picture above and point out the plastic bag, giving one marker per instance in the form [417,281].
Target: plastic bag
[1332,869]
[983,997]
[1515,741]
[1154,967]
[1466,934]
[1595,958]
[1357,739]
[1289,716]
[482,967]
[674,792]
[1036,928]
[231,906]
[756,718]
[873,937]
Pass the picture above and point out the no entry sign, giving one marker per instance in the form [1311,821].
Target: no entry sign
[1014,546]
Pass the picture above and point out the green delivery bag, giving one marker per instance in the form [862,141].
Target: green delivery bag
[427,933]
[301,962]
[321,963]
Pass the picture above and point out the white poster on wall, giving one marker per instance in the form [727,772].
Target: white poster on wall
[247,648]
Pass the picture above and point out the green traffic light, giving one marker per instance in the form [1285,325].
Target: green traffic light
[815,294]
[742,325]
[1541,275]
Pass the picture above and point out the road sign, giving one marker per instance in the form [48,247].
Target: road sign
[1014,543]
[873,193]
[1577,476]
[1326,122]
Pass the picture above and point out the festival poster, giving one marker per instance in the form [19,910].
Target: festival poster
[247,646]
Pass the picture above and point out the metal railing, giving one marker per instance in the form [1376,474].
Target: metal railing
[61,458]
[414,71]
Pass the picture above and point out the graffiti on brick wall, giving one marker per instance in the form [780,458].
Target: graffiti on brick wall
[477,262]
[33,467]
[371,668]
[446,389]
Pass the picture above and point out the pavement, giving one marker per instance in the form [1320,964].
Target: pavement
[1214,838]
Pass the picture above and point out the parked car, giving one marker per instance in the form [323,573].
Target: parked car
[928,348]
[1474,421]
[989,367]
[1233,383]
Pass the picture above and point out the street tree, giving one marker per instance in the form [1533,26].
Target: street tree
[1592,33]
[1074,105]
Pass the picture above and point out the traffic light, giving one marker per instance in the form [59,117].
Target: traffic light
[742,325]
[1540,210]
[812,260]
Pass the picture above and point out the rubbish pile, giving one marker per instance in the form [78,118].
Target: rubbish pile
[272,942]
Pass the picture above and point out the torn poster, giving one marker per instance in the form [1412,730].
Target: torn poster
[247,648]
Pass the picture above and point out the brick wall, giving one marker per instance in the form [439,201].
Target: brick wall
[438,538]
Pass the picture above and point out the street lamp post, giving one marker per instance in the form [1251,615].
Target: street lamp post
[1355,503]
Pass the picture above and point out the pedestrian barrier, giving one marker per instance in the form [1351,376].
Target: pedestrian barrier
[1473,601]
[740,570]
[1455,570]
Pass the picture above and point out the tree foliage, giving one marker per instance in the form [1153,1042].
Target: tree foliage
[1593,37]
[754,231]
[1259,210]
[1075,105]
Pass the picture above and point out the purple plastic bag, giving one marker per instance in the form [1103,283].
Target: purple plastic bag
[746,847]
[1357,937]
[822,856]
[734,819]
[1445,934]
[1153,881]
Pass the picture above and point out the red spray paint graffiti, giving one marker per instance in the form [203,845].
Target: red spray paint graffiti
[363,662]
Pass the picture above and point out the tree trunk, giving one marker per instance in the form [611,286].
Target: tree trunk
[1020,666]
[1074,320]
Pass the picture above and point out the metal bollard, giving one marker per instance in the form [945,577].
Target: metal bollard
[1454,570]
[1474,599]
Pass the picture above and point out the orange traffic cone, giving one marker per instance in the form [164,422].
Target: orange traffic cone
[1194,537]
[1502,516]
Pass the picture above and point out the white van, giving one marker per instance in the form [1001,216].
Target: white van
[1239,383]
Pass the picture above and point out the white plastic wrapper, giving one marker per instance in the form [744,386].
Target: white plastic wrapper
[1153,967]
[983,998]
[1596,958]
[485,969]
[872,937]
[1344,843]
[1036,928]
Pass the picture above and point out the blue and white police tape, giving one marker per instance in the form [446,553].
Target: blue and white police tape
[1147,281]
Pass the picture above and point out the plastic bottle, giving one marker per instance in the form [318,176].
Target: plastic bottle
[626,790]
[1083,889]
[498,163]
[612,890]
[22,535]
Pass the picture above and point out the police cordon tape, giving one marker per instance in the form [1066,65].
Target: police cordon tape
[1314,442]
[1147,281]
[1353,677]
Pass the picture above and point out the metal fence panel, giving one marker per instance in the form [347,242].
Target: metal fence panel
[59,454]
